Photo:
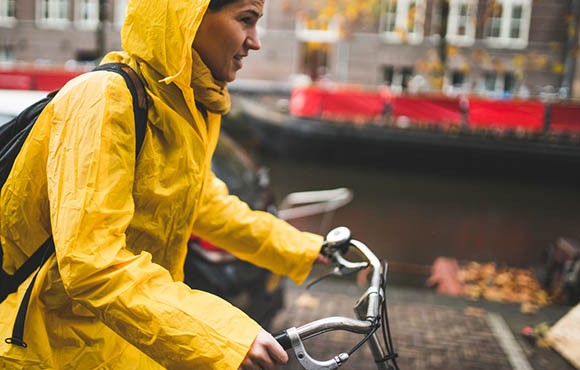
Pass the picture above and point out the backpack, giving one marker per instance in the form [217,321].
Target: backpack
[12,136]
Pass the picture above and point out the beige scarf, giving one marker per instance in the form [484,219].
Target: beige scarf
[211,93]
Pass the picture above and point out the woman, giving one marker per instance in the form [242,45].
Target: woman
[111,296]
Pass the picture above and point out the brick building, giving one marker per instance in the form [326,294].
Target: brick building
[56,31]
[491,49]
[494,46]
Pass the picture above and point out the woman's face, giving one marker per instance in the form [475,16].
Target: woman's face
[227,35]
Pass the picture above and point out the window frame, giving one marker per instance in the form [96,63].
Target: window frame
[54,9]
[7,20]
[453,22]
[402,21]
[504,39]
[329,35]
[86,23]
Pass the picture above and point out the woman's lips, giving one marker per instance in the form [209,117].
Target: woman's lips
[238,62]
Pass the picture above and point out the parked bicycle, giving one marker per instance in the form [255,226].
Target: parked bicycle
[370,309]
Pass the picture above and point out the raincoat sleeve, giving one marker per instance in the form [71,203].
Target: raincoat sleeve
[254,236]
[90,177]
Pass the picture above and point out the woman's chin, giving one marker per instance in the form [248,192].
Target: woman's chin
[230,77]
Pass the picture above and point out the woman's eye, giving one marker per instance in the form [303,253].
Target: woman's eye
[246,20]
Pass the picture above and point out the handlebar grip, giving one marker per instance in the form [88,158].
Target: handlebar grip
[283,339]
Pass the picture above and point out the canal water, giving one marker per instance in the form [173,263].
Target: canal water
[412,215]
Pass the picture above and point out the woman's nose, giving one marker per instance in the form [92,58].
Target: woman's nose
[253,40]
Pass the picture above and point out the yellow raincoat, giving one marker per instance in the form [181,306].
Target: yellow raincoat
[111,296]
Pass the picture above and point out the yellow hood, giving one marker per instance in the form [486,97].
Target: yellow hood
[161,34]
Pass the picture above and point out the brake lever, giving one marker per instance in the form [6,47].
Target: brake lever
[347,267]
[344,268]
[335,271]
[337,242]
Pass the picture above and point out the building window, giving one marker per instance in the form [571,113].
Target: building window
[494,29]
[499,84]
[457,79]
[508,23]
[461,22]
[402,20]
[52,13]
[314,59]
[509,83]
[397,78]
[411,18]
[390,17]
[490,82]
[388,75]
[87,14]
[6,54]
[7,16]
[516,22]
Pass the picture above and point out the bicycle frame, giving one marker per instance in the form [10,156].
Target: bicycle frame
[367,310]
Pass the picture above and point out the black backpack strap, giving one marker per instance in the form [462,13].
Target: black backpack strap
[47,249]
[38,258]
[137,89]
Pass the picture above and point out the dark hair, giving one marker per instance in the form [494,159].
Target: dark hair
[215,5]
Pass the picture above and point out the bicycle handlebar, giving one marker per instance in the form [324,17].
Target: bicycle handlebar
[338,242]
[325,325]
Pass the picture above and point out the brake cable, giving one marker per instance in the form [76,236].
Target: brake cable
[366,338]
[386,330]
[391,354]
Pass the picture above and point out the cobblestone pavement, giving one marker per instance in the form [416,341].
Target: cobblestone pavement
[426,336]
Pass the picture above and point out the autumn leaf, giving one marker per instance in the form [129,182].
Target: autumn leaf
[452,51]
[558,68]
[519,60]
[498,65]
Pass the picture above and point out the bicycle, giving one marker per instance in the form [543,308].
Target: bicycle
[370,309]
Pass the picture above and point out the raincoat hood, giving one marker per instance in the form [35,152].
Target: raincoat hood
[161,34]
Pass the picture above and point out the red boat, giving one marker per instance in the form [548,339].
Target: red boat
[472,113]
[374,127]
